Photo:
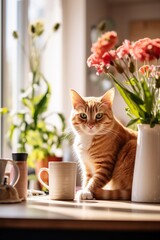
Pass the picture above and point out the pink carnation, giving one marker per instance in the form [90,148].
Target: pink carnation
[124,49]
[109,57]
[100,63]
[105,43]
[156,47]
[150,71]
[126,60]
[156,71]
[146,49]
[93,60]
[101,57]
[146,69]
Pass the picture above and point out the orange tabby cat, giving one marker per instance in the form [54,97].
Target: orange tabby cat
[105,148]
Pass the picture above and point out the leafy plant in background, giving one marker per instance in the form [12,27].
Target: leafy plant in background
[131,68]
[37,135]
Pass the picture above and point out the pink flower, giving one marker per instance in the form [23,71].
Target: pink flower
[93,60]
[150,71]
[156,47]
[141,91]
[105,43]
[107,58]
[101,57]
[146,49]
[113,54]
[124,49]
[146,69]
[156,71]
[97,62]
[101,63]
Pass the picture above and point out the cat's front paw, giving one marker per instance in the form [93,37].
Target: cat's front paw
[84,195]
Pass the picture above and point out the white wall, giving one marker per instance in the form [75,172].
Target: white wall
[74,50]
[96,11]
[123,14]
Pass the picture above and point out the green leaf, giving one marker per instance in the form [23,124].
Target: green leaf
[61,116]
[148,97]
[42,105]
[11,131]
[131,81]
[34,138]
[28,103]
[134,103]
[132,121]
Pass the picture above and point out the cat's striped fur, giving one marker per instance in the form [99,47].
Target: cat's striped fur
[105,148]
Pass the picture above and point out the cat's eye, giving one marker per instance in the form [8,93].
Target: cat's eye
[83,116]
[99,116]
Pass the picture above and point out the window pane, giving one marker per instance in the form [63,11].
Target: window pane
[16,15]
[0,71]
[50,12]
[10,50]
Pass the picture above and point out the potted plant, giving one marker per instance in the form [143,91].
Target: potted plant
[37,130]
[137,78]
[138,84]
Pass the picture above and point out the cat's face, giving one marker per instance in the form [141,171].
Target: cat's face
[91,115]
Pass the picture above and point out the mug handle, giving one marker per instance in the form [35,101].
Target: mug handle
[39,176]
[16,171]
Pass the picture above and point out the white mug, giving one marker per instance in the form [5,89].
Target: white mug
[62,180]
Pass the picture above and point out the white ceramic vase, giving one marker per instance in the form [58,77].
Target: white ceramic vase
[146,177]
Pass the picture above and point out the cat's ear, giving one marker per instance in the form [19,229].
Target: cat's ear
[76,98]
[108,97]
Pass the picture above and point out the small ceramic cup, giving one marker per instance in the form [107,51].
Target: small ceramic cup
[62,180]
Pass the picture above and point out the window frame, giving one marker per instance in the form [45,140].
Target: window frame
[1,57]
[73,72]
[16,72]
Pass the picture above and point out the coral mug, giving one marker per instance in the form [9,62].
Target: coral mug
[62,180]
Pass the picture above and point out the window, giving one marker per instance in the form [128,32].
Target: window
[65,58]
[16,16]
[0,69]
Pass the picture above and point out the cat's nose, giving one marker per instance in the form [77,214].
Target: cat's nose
[90,126]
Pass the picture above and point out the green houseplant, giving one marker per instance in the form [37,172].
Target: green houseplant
[34,126]
[135,70]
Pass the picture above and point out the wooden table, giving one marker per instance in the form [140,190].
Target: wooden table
[39,216]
